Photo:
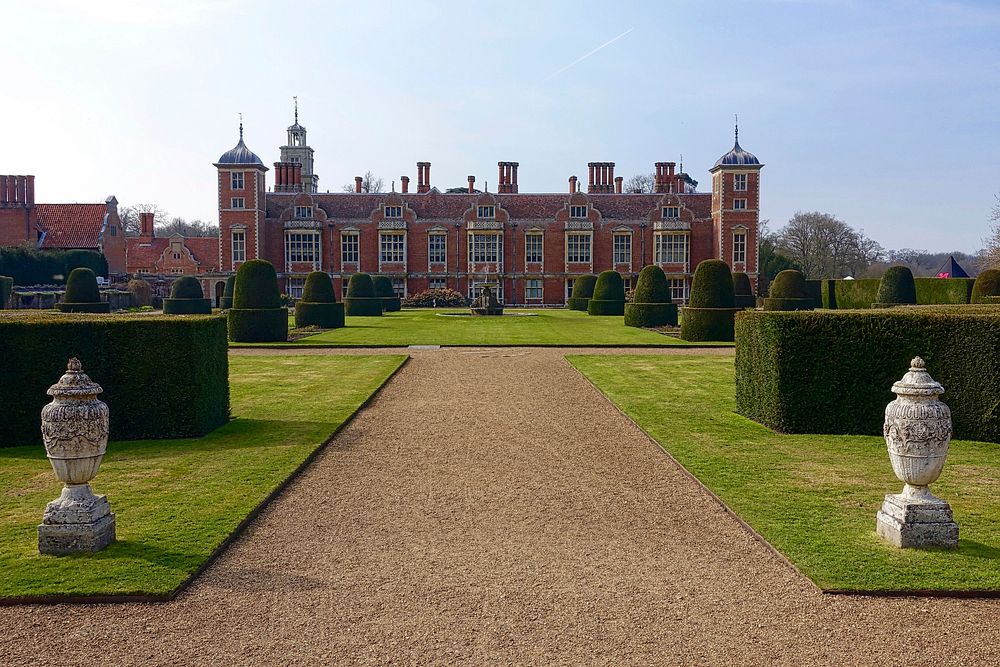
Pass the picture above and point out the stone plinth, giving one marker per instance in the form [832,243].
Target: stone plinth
[916,522]
[77,521]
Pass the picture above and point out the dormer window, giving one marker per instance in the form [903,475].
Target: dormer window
[740,182]
[395,212]
[671,212]
[578,212]
[236,180]
[303,212]
[486,212]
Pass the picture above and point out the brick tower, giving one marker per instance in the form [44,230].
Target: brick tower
[297,151]
[241,206]
[736,209]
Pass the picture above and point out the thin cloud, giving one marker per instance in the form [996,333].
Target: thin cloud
[587,55]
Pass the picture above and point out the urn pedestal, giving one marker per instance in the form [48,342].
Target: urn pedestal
[917,433]
[75,432]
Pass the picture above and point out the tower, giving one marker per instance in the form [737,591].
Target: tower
[297,151]
[240,175]
[736,209]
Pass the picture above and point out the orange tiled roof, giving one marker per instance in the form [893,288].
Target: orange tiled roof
[70,225]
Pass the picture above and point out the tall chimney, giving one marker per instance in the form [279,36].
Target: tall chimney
[405,183]
[423,177]
[660,183]
[472,184]
[297,176]
[146,225]
[618,184]
[572,184]
[3,189]
[357,183]
[609,184]
[591,183]
[507,172]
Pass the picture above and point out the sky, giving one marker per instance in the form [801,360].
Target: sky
[885,114]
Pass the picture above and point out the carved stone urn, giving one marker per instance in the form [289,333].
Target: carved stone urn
[75,433]
[917,433]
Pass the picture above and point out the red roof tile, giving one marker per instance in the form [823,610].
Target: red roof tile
[70,225]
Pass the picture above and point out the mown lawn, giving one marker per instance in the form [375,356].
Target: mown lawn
[547,327]
[813,497]
[177,500]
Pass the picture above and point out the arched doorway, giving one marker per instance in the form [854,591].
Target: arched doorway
[220,289]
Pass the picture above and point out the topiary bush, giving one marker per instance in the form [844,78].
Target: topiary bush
[440,298]
[896,288]
[712,307]
[987,284]
[227,293]
[82,294]
[583,290]
[651,305]
[608,297]
[141,292]
[257,315]
[361,300]
[187,298]
[744,297]
[6,287]
[383,290]
[318,306]
[788,292]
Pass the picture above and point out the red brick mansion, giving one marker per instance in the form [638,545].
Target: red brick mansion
[528,246]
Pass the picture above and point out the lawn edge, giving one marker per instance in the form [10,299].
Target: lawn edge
[236,533]
[595,346]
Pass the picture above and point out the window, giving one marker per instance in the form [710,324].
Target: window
[569,287]
[533,248]
[176,270]
[487,212]
[301,247]
[295,286]
[740,182]
[236,180]
[349,248]
[239,246]
[739,204]
[114,230]
[485,248]
[627,284]
[533,289]
[394,212]
[678,290]
[237,202]
[622,248]
[391,248]
[343,287]
[437,248]
[177,255]
[578,211]
[671,248]
[740,246]
[578,248]
[437,283]
[671,212]
[303,212]
[399,287]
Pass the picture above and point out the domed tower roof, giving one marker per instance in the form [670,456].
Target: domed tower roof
[240,154]
[737,156]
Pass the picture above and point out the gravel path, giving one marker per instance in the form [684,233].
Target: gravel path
[490,508]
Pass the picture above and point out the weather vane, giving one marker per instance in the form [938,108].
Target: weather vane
[736,117]
[241,126]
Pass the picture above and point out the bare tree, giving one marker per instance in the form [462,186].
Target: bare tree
[990,254]
[369,183]
[825,247]
[185,228]
[130,216]
[642,183]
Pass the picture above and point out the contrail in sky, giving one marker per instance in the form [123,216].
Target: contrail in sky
[588,54]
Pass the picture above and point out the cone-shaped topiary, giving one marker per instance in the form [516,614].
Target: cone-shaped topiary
[361,299]
[187,298]
[712,311]
[788,292]
[383,290]
[227,294]
[743,291]
[318,306]
[257,315]
[82,294]
[987,285]
[651,304]
[896,288]
[583,290]
[609,295]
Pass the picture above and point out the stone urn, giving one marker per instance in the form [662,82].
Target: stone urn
[917,433]
[75,433]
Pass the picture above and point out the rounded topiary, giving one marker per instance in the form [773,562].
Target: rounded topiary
[609,295]
[82,294]
[361,299]
[257,315]
[141,292]
[187,298]
[711,313]
[383,290]
[987,285]
[583,290]
[651,304]
[896,288]
[788,292]
[318,306]
[743,290]
[227,293]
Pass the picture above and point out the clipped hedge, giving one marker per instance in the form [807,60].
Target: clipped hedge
[28,265]
[383,290]
[987,284]
[82,294]
[187,298]
[651,305]
[609,295]
[896,288]
[257,315]
[831,372]
[6,287]
[814,292]
[163,377]
[939,291]
[583,290]
[318,306]
[361,300]
[850,294]
[140,293]
[788,292]
[743,291]
[227,293]
[712,306]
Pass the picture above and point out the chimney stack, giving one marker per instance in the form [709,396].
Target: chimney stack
[288,177]
[600,177]
[404,182]
[146,225]
[357,183]
[423,177]
[618,184]
[507,177]
[472,184]
[572,184]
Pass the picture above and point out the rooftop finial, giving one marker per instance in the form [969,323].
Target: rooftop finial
[737,127]
[241,126]
[296,98]
[682,163]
